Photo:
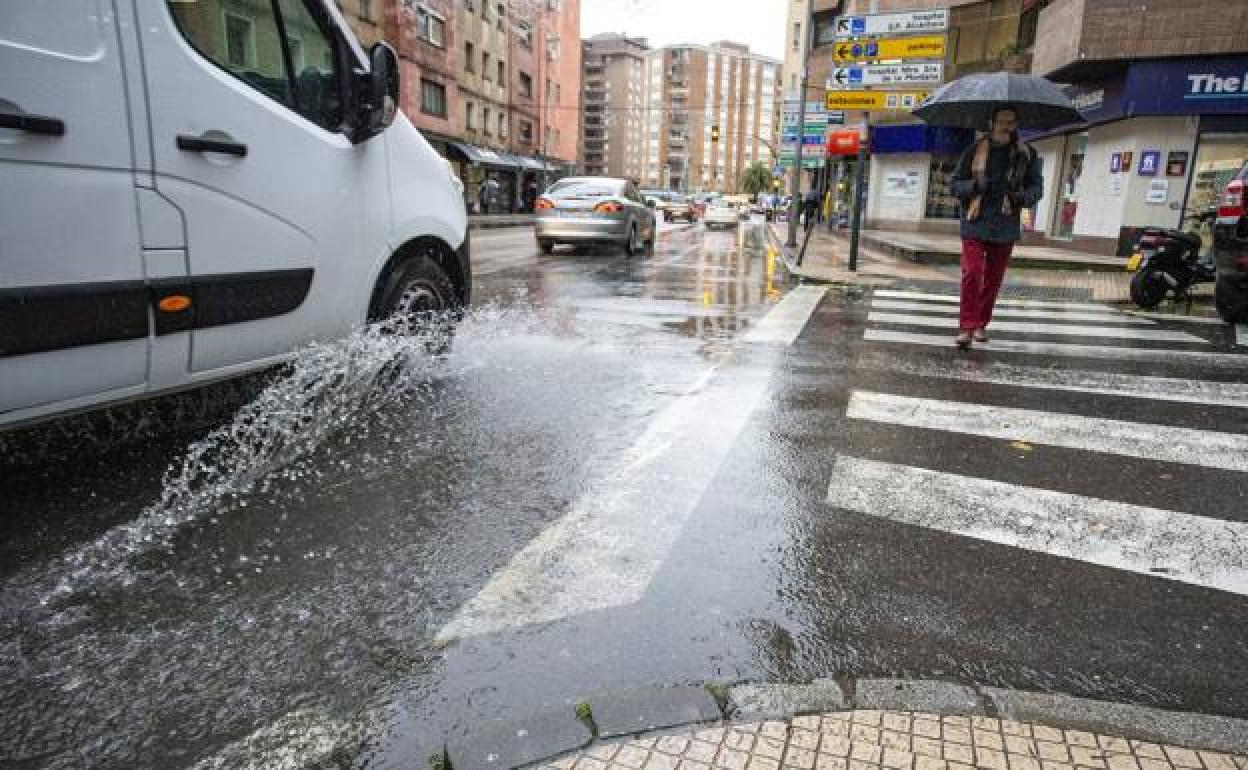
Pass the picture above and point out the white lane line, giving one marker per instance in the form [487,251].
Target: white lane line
[903,294]
[1149,541]
[1054,329]
[787,319]
[1241,335]
[1006,312]
[1211,449]
[1187,319]
[1176,389]
[1064,349]
[605,550]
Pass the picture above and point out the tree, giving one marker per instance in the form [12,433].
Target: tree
[756,179]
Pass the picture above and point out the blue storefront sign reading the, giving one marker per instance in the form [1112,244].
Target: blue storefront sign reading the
[1216,85]
[1149,162]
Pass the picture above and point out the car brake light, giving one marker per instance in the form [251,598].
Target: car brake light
[1232,204]
[544,203]
[608,207]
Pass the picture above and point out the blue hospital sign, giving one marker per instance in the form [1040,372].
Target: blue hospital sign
[858,25]
[1150,160]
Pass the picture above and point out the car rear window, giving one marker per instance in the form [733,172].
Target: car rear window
[586,187]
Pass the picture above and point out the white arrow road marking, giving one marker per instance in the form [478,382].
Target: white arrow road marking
[1189,446]
[1178,389]
[1091,314]
[1150,541]
[904,294]
[1065,349]
[605,550]
[1059,330]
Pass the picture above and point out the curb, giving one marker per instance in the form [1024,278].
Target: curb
[653,710]
[929,257]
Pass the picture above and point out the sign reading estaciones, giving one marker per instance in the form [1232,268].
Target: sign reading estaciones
[875,101]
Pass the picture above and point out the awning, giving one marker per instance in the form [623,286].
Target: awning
[484,155]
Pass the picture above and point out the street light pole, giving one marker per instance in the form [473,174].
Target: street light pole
[795,204]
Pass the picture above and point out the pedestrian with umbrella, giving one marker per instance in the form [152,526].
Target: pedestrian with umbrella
[996,178]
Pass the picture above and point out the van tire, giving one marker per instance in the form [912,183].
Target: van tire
[630,246]
[417,298]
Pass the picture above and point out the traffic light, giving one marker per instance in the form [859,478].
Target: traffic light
[714,133]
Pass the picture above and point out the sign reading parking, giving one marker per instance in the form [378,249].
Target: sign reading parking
[918,47]
[910,23]
[875,101]
[904,74]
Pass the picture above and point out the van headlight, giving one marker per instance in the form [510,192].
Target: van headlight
[455,180]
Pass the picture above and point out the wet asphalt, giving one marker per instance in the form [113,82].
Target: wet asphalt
[313,562]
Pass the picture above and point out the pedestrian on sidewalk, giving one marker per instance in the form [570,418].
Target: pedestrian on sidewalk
[996,178]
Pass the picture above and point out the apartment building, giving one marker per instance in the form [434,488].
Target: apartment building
[694,92]
[613,105]
[484,81]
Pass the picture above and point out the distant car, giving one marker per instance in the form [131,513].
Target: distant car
[678,207]
[595,210]
[720,213]
[1230,251]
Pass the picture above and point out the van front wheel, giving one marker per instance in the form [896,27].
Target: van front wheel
[419,300]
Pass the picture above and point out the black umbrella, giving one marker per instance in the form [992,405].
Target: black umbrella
[969,101]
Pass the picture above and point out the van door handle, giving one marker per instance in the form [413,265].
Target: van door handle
[199,144]
[34,124]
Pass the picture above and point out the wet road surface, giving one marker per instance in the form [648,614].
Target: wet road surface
[671,469]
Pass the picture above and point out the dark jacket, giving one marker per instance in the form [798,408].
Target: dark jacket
[1012,174]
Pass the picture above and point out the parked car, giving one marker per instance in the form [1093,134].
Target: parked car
[595,210]
[721,213]
[198,218]
[1230,251]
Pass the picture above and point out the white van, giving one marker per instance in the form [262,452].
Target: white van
[191,189]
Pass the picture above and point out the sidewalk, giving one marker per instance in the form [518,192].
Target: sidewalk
[937,248]
[827,260]
[889,740]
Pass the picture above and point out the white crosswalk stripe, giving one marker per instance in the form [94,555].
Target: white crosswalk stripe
[1053,329]
[1095,315]
[1004,302]
[1168,443]
[1165,544]
[999,345]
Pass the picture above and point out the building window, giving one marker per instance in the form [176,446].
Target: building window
[366,10]
[526,131]
[558,93]
[502,126]
[432,98]
[240,41]
[797,36]
[470,116]
[485,66]
[502,14]
[470,58]
[526,84]
[430,26]
[502,73]
[525,34]
[485,120]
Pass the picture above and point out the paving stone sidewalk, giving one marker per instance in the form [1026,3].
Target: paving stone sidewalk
[887,740]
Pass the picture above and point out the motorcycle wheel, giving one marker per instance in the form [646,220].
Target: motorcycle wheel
[1148,289]
[1231,301]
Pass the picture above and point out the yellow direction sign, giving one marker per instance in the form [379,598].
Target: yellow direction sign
[875,101]
[920,47]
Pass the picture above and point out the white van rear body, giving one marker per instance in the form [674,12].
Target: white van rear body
[151,158]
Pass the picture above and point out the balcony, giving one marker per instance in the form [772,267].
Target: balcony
[1076,39]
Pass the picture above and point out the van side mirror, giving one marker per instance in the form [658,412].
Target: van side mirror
[379,92]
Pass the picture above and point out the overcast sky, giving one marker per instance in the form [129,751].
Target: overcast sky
[757,23]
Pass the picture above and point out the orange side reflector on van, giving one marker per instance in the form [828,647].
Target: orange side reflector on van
[174,303]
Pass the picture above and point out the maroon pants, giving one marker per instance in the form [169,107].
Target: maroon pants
[983,268]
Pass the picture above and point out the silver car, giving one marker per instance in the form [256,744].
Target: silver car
[595,210]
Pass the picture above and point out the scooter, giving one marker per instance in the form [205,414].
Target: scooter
[1168,260]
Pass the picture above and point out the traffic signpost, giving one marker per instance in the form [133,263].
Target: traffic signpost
[909,23]
[911,73]
[917,47]
[875,101]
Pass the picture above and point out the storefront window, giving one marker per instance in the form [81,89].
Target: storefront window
[1218,159]
[1068,184]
